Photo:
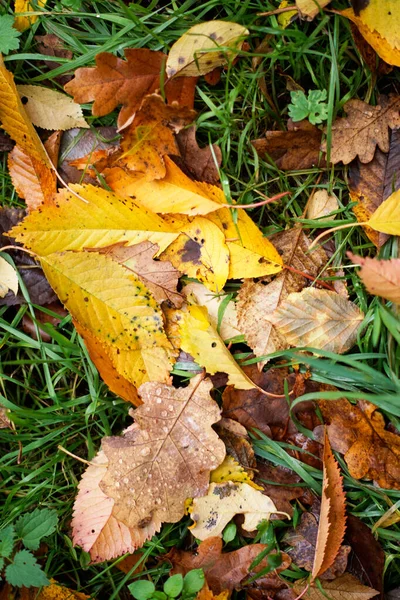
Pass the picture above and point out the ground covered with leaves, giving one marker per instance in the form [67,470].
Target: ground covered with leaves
[199,289]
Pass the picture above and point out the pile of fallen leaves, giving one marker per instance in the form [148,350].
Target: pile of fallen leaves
[140,251]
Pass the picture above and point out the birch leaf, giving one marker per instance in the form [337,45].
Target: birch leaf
[166,456]
[204,47]
[386,218]
[380,277]
[50,109]
[8,278]
[318,318]
[212,512]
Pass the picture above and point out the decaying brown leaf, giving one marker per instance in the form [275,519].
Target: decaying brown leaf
[371,452]
[6,143]
[364,128]
[380,277]
[345,587]
[279,484]
[297,148]
[166,456]
[237,442]
[367,559]
[52,45]
[202,163]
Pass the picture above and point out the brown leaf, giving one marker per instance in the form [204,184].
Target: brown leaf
[364,128]
[286,490]
[160,277]
[52,145]
[257,302]
[332,518]
[32,180]
[51,45]
[6,143]
[181,90]
[4,420]
[236,440]
[345,587]
[370,184]
[374,63]
[367,559]
[170,452]
[292,150]
[380,277]
[359,433]
[199,161]
[224,571]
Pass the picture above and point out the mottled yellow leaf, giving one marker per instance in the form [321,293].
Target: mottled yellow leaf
[105,219]
[386,218]
[50,109]
[231,470]
[204,47]
[8,278]
[21,6]
[284,19]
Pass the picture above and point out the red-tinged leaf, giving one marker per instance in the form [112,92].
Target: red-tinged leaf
[380,277]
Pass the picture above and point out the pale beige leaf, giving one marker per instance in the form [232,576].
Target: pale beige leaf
[318,318]
[168,455]
[203,297]
[204,47]
[94,527]
[321,205]
[380,277]
[8,278]
[311,8]
[212,512]
[345,587]
[50,109]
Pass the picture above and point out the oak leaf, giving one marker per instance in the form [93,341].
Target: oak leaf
[166,457]
[32,180]
[364,128]
[99,220]
[318,318]
[372,183]
[386,218]
[322,204]
[345,587]
[202,163]
[380,277]
[8,278]
[311,8]
[370,451]
[204,47]
[257,302]
[50,109]
[292,150]
[94,527]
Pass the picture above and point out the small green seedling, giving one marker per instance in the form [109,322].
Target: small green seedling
[18,566]
[176,586]
[313,107]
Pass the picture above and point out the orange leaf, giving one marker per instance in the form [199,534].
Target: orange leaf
[31,178]
[380,277]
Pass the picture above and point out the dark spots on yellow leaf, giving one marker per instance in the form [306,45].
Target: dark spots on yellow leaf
[191,252]
[181,60]
[24,100]
[213,36]
[214,345]
[224,226]
[86,299]
[209,62]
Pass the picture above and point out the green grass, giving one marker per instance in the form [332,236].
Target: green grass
[53,391]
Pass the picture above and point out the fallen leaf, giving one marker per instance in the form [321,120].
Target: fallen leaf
[52,45]
[364,128]
[231,470]
[279,483]
[50,109]
[237,442]
[321,205]
[211,513]
[33,181]
[52,146]
[370,451]
[202,163]
[293,150]
[94,526]
[6,143]
[380,277]
[200,340]
[311,8]
[8,278]
[225,571]
[222,315]
[168,455]
[386,218]
[372,183]
[160,277]
[24,6]
[99,220]
[199,251]
[374,63]
[319,319]
[377,23]
[206,594]
[345,587]
[204,47]
[257,302]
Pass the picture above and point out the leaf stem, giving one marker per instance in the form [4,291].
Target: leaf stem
[257,204]
[328,231]
[298,272]
[11,247]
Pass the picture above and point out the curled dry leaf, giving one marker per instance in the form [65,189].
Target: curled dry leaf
[318,318]
[211,513]
[202,163]
[166,457]
[6,143]
[204,47]
[95,528]
[386,218]
[32,180]
[50,109]
[372,183]
[364,128]
[380,277]
[292,150]
[311,8]
[257,302]
[370,451]
[322,204]
[8,278]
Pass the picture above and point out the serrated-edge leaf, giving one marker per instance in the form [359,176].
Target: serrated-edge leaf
[32,527]
[25,571]
[7,535]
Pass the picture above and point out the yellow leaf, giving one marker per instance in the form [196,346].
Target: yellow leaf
[8,278]
[176,193]
[386,218]
[231,470]
[200,339]
[114,305]
[50,109]
[105,219]
[15,121]
[213,512]
[199,251]
[146,364]
[204,47]
[285,18]
[311,8]
[22,6]
[251,254]
[378,23]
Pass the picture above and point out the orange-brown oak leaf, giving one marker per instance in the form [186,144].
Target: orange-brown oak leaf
[380,277]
